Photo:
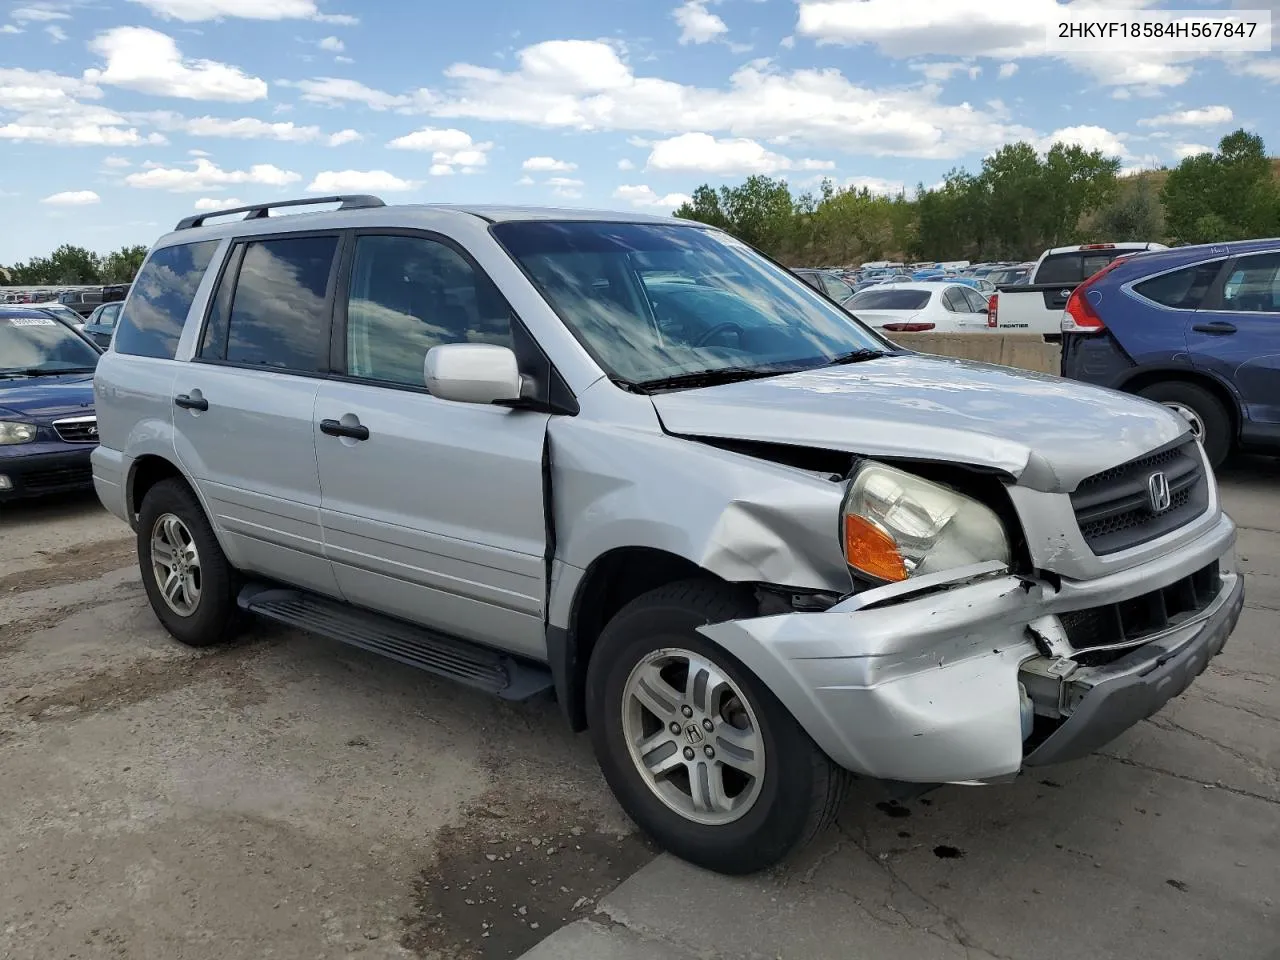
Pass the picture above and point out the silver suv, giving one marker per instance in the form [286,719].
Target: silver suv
[629,462]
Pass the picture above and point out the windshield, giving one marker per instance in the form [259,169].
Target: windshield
[42,345]
[891,300]
[653,301]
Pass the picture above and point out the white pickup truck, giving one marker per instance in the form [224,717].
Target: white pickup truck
[1036,307]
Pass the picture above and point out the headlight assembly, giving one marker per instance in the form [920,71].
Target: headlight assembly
[13,432]
[895,525]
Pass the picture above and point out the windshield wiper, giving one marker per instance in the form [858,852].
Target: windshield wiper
[707,378]
[41,371]
[856,356]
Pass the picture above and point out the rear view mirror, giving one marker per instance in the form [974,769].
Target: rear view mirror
[472,373]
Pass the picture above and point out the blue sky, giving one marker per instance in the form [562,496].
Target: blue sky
[119,117]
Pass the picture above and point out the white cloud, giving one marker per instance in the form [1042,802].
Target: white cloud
[332,44]
[206,175]
[697,24]
[625,164]
[1199,117]
[642,195]
[525,181]
[546,164]
[50,108]
[566,187]
[1184,150]
[343,60]
[585,85]
[149,61]
[943,70]
[1007,70]
[72,198]
[216,203]
[39,13]
[1262,68]
[345,136]
[358,181]
[1090,138]
[878,186]
[449,148]
[116,163]
[247,128]
[440,170]
[1005,29]
[334,91]
[56,32]
[197,11]
[190,153]
[10,28]
[704,153]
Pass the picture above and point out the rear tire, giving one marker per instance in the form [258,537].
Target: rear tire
[191,585]
[710,723]
[1209,419]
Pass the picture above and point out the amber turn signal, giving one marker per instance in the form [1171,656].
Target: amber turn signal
[871,550]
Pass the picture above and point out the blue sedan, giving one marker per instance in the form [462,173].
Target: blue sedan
[47,424]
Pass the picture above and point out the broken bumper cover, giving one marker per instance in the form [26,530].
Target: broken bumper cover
[923,682]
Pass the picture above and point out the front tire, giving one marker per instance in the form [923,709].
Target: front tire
[191,585]
[1208,418]
[699,752]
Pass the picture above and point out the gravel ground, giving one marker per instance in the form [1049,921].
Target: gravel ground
[287,797]
[282,798]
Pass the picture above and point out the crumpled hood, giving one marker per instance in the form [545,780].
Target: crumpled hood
[47,398]
[1047,432]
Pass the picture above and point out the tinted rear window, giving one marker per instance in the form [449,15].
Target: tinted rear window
[1075,267]
[1183,289]
[890,300]
[280,309]
[152,321]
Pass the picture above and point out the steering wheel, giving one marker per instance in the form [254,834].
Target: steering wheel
[720,327]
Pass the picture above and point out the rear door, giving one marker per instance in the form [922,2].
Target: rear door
[433,509]
[243,407]
[1237,334]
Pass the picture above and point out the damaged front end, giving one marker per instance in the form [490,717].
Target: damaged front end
[970,674]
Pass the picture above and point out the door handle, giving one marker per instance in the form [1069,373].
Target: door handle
[188,402]
[1217,326]
[336,428]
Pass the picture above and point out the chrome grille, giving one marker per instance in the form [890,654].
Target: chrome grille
[77,429]
[1115,509]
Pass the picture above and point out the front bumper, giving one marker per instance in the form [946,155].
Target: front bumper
[40,469]
[928,682]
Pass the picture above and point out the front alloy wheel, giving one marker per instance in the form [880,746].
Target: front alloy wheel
[693,737]
[698,750]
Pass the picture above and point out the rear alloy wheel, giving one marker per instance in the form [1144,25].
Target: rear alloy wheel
[1204,413]
[189,581]
[699,752]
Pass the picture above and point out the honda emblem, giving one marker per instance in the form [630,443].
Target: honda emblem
[1159,496]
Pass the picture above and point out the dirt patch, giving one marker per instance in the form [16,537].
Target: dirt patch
[15,631]
[511,874]
[111,690]
[72,565]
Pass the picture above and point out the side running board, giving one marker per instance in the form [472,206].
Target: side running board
[467,663]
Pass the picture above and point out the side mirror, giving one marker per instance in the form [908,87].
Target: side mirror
[473,373]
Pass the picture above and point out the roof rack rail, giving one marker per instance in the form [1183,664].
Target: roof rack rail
[258,211]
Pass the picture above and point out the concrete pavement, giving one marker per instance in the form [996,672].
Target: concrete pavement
[1165,845]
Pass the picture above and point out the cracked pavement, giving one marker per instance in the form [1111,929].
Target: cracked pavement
[1164,845]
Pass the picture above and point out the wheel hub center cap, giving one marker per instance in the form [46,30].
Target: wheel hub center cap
[693,734]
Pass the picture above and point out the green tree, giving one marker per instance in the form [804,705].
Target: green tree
[67,266]
[1228,195]
[121,266]
[1135,215]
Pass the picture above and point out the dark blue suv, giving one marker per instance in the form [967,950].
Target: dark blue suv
[1195,328]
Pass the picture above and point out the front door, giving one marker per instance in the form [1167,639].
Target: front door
[1239,338]
[432,510]
[243,409]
